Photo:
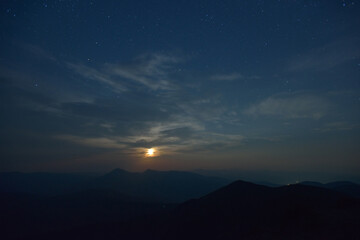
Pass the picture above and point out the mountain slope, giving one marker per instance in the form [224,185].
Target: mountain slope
[243,210]
[252,211]
[349,188]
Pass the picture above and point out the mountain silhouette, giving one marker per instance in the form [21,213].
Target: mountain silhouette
[43,202]
[251,211]
[242,210]
[349,188]
[239,210]
[161,186]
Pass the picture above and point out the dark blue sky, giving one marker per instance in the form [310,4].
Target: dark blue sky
[255,86]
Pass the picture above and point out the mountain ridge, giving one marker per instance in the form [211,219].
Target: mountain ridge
[346,187]
[243,210]
[165,186]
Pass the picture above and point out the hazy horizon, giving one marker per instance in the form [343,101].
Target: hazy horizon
[259,177]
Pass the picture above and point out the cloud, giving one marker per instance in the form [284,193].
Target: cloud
[151,71]
[200,141]
[42,89]
[327,56]
[210,141]
[99,142]
[226,77]
[151,133]
[109,126]
[93,74]
[43,107]
[290,107]
[180,122]
[37,51]
[208,110]
[160,133]
[231,77]
[337,126]
[174,136]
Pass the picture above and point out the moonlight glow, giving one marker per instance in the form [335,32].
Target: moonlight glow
[150,152]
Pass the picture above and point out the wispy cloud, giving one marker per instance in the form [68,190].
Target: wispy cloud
[206,109]
[337,126]
[181,134]
[231,77]
[327,56]
[210,141]
[180,122]
[226,77]
[290,106]
[99,142]
[41,92]
[38,106]
[151,71]
[200,141]
[109,126]
[101,76]
[37,51]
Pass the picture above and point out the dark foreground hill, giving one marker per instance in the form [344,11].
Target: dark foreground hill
[257,212]
[24,215]
[241,210]
[36,203]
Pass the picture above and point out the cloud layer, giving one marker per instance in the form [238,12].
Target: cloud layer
[290,107]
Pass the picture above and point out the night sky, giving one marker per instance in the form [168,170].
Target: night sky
[263,87]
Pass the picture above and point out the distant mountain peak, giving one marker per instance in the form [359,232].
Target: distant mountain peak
[237,189]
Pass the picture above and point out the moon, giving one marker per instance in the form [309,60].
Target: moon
[150,152]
